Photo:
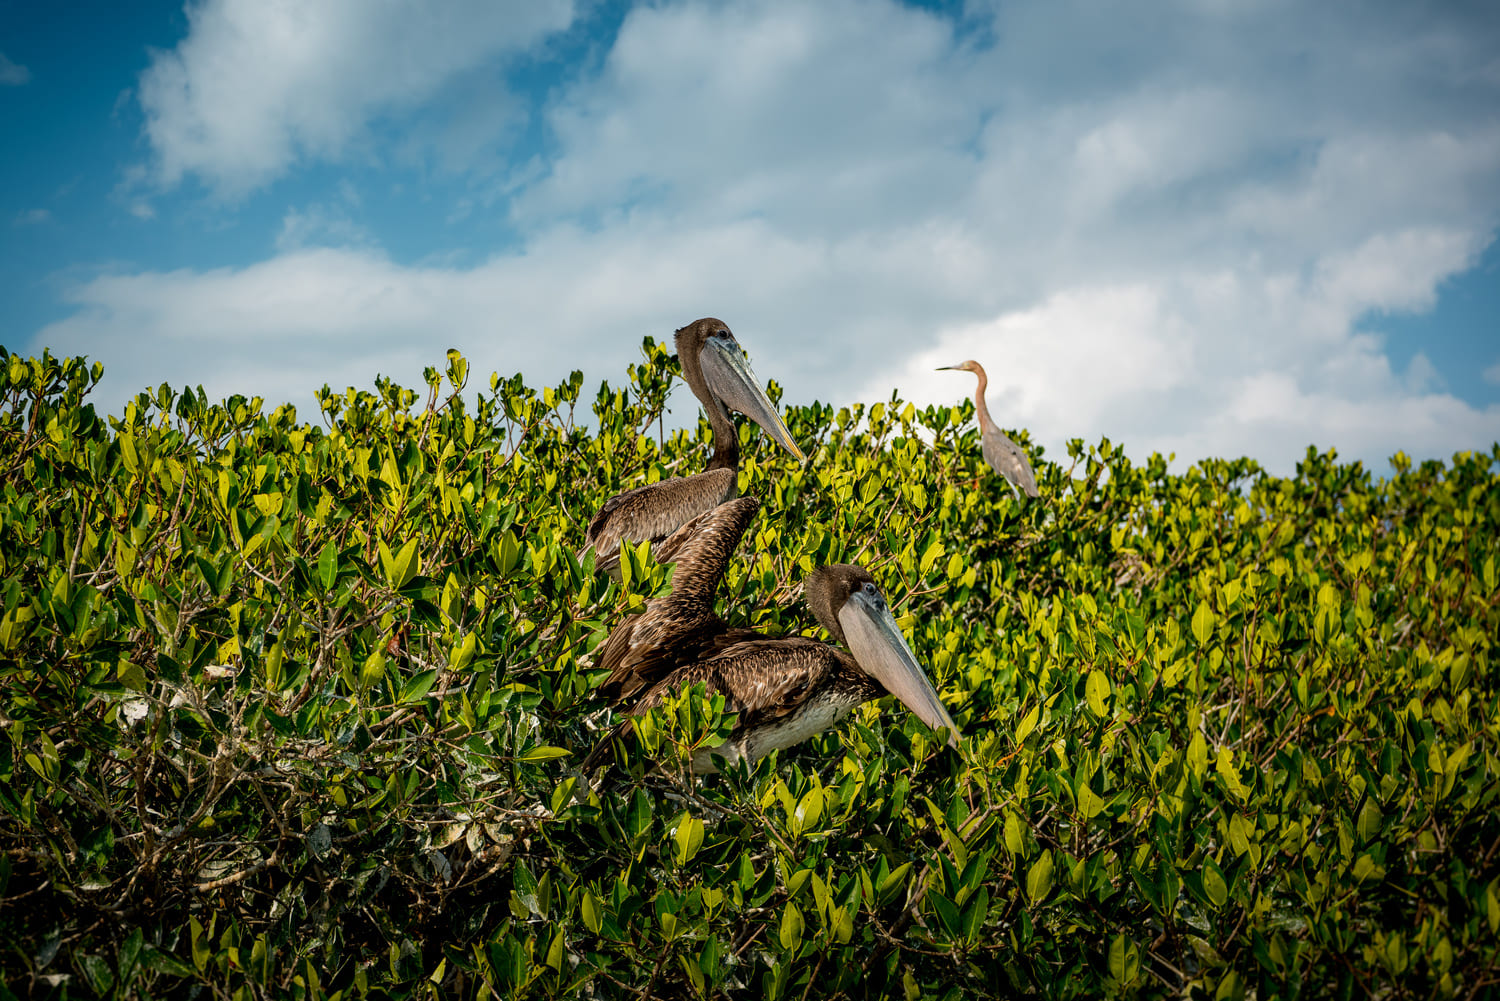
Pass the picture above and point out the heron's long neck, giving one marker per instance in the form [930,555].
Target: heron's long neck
[980,407]
[726,439]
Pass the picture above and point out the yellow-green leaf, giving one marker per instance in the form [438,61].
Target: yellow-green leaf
[543,752]
[1097,689]
[1039,878]
[689,838]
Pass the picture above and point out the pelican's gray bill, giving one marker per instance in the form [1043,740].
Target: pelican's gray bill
[881,651]
[729,378]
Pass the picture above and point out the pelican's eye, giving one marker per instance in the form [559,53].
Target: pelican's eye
[874,594]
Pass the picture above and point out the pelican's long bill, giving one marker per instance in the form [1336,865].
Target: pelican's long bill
[880,650]
[729,377]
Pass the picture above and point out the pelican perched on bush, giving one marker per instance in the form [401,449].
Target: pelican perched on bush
[714,365]
[1004,456]
[784,690]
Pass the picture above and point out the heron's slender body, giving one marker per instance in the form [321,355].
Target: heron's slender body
[713,364]
[784,690]
[1004,456]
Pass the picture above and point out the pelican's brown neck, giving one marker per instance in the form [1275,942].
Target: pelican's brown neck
[689,344]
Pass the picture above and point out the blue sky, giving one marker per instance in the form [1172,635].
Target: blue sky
[1210,227]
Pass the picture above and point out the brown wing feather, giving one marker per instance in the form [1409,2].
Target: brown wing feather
[762,679]
[679,627]
[653,512]
[721,641]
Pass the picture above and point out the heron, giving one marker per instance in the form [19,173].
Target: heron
[1004,456]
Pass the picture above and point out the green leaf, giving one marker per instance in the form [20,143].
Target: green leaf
[893,879]
[592,912]
[1239,834]
[402,567]
[1230,988]
[373,671]
[1124,960]
[1214,886]
[328,565]
[1197,754]
[1230,773]
[417,688]
[200,947]
[689,838]
[809,809]
[130,952]
[463,652]
[1203,624]
[1015,840]
[790,934]
[1039,878]
[153,958]
[931,556]
[1028,723]
[543,752]
[131,676]
[1090,803]
[1370,820]
[946,911]
[1097,690]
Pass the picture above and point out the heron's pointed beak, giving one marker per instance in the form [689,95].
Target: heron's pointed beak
[881,652]
[730,379]
[945,368]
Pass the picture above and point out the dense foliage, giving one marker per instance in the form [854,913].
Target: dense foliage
[292,711]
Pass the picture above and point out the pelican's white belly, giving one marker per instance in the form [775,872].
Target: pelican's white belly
[812,719]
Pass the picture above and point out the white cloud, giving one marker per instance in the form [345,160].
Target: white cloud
[32,217]
[256,86]
[1132,363]
[328,224]
[12,74]
[809,114]
[1166,225]
[1492,374]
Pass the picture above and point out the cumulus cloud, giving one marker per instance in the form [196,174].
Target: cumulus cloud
[256,87]
[12,74]
[1167,224]
[1131,362]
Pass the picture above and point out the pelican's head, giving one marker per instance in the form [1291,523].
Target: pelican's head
[711,357]
[849,605]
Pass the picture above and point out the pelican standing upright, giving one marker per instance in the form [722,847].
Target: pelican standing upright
[714,366]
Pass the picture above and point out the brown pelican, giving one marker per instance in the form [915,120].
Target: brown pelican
[714,365]
[1004,456]
[680,627]
[784,690]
